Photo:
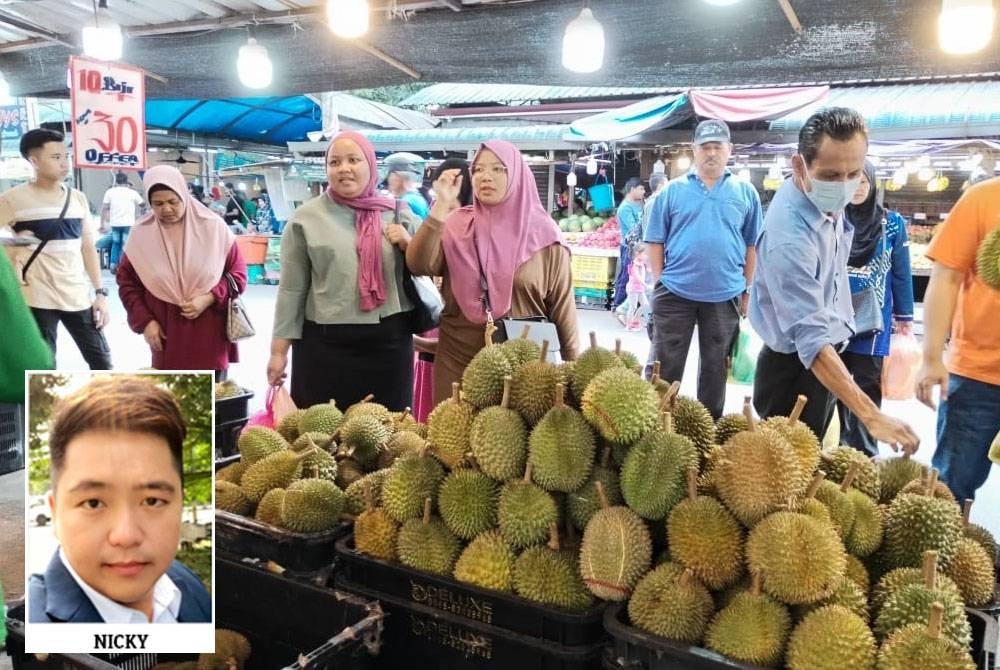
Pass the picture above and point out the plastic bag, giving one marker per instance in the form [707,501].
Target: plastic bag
[745,352]
[277,405]
[899,370]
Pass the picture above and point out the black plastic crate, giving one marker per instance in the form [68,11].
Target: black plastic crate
[11,438]
[233,408]
[417,636]
[227,436]
[301,554]
[469,604]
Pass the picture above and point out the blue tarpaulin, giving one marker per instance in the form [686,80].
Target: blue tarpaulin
[261,120]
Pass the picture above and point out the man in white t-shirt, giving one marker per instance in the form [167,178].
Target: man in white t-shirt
[121,203]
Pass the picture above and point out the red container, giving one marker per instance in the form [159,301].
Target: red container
[253,248]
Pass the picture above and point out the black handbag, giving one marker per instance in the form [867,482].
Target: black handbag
[423,294]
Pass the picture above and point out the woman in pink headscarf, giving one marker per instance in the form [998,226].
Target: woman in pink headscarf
[341,308]
[171,277]
[506,236]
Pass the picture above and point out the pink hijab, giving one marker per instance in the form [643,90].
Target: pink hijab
[505,235]
[174,272]
[368,222]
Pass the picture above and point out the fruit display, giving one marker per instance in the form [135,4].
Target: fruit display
[227,389]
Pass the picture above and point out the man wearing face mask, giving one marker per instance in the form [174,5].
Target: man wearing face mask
[800,302]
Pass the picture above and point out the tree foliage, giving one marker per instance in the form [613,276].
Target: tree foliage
[193,393]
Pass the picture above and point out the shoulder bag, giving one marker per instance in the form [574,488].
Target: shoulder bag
[38,249]
[867,306]
[423,294]
[238,326]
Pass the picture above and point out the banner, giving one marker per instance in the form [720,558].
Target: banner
[109,120]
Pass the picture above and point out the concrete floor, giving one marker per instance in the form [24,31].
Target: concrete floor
[130,352]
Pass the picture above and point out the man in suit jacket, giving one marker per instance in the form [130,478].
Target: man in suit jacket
[116,500]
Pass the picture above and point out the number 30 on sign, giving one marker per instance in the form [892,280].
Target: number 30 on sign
[109,120]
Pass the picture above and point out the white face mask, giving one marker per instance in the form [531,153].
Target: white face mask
[832,196]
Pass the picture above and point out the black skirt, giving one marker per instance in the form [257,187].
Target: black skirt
[347,362]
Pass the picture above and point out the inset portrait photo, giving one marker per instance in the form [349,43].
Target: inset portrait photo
[119,511]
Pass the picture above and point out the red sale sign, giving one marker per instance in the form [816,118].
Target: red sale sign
[109,118]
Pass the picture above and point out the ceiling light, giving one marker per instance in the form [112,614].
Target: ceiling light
[583,44]
[721,3]
[925,173]
[591,166]
[254,65]
[347,18]
[659,167]
[571,179]
[900,176]
[102,37]
[965,26]
[684,162]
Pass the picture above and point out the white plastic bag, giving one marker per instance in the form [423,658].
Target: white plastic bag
[899,370]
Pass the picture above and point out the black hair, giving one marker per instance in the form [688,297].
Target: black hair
[632,183]
[465,192]
[156,188]
[121,178]
[38,138]
[837,123]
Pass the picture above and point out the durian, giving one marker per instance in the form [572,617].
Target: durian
[831,638]
[800,437]
[916,523]
[488,562]
[375,531]
[256,442]
[482,380]
[895,473]
[448,429]
[426,544]
[533,387]
[561,447]
[616,551]
[920,646]
[551,576]
[321,418]
[582,503]
[654,474]
[411,480]
[467,502]
[230,497]
[269,507]
[525,512]
[672,603]
[620,405]
[837,462]
[988,259]
[311,505]
[272,472]
[751,628]
[589,364]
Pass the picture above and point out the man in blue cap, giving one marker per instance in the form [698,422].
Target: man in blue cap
[700,240]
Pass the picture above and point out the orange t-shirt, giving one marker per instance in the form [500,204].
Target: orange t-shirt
[975,338]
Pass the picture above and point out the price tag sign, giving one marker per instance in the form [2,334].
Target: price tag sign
[109,114]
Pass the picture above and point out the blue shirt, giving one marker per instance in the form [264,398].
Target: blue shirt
[889,271]
[801,300]
[705,234]
[417,204]
[629,216]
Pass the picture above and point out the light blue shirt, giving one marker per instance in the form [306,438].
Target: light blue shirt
[629,215]
[705,234]
[801,298]
[417,204]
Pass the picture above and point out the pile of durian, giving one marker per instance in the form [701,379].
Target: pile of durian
[227,389]
[299,475]
[766,550]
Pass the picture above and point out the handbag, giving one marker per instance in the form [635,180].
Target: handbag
[867,307]
[423,294]
[238,326]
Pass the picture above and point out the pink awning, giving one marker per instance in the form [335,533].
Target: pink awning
[754,103]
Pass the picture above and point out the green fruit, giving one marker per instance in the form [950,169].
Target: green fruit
[845,593]
[410,481]
[230,497]
[913,646]
[706,538]
[551,576]
[322,418]
[276,471]
[858,573]
[615,553]
[840,506]
[728,425]
[288,427]
[561,448]
[269,507]
[364,436]
[671,603]
[584,502]
[467,501]
[525,512]
[487,562]
[752,628]
[972,571]
[401,442]
[520,350]
[427,544]
[312,505]
[693,421]
[620,405]
[894,580]
[533,389]
[320,464]
[355,492]
[482,381]
[911,603]
[837,462]
[375,534]
[756,473]
[256,442]
[915,524]
[803,442]
[982,537]
[589,364]
[895,473]
[866,531]
[231,473]
[369,408]
[654,474]
[799,559]
[831,638]
[940,490]
[988,259]
[448,429]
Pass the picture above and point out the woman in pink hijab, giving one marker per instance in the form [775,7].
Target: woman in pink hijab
[171,277]
[505,236]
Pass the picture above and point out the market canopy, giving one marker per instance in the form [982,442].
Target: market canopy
[262,120]
[193,44]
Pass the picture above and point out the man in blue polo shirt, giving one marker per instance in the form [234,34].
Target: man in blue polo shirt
[700,240]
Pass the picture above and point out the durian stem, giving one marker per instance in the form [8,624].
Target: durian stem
[545,352]
[367,398]
[755,583]
[935,620]
[687,577]
[302,455]
[601,495]
[369,496]
[692,484]
[656,368]
[455,392]
[618,345]
[488,333]
[930,569]
[553,536]
[506,392]
[672,392]
[593,339]
[966,511]
[932,482]
[560,395]
[654,378]
[525,331]
[605,457]
[800,404]
[748,413]
[427,511]
[407,411]
[667,422]
[814,485]
[852,472]
[527,473]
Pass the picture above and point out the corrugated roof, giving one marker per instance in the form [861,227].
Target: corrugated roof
[466,94]
[532,138]
[955,109]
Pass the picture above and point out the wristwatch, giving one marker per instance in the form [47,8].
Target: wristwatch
[101,291]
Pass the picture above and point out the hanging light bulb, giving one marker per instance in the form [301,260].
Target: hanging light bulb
[965,26]
[571,179]
[925,173]
[924,161]
[684,162]
[583,44]
[591,166]
[932,185]
[659,167]
[253,65]
[102,37]
[347,18]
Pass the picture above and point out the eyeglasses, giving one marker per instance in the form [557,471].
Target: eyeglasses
[495,170]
